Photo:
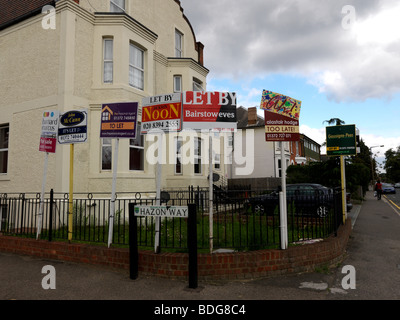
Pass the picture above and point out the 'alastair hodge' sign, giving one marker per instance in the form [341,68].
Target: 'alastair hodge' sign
[281,117]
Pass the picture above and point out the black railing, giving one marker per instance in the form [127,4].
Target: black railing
[242,219]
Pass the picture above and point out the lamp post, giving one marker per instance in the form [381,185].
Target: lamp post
[372,164]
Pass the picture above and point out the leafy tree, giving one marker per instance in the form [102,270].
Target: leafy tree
[335,121]
[392,164]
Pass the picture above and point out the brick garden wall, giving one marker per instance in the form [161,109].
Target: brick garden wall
[218,266]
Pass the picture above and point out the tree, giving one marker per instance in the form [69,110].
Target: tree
[335,121]
[392,164]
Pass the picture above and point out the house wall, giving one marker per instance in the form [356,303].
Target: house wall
[258,154]
[61,70]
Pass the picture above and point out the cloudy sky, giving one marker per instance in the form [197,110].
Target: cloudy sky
[341,58]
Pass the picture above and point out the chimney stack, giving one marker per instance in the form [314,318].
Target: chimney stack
[252,116]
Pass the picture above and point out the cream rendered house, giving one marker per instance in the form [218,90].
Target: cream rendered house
[96,52]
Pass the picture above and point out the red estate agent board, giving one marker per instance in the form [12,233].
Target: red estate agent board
[209,110]
[48,136]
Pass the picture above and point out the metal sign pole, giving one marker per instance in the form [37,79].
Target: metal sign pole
[211,195]
[192,247]
[343,176]
[39,226]
[71,191]
[158,194]
[133,244]
[114,185]
[283,202]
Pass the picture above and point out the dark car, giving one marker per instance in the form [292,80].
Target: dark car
[302,199]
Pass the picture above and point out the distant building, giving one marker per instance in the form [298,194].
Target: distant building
[304,151]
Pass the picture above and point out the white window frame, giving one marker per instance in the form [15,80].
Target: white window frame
[5,148]
[108,60]
[137,68]
[217,161]
[198,156]
[178,155]
[106,143]
[197,85]
[178,44]
[139,147]
[177,80]
[120,7]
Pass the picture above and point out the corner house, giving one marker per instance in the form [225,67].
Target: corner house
[78,54]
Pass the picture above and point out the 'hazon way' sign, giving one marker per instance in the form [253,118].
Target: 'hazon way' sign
[162,211]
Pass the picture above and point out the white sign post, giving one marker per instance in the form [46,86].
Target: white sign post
[118,120]
[161,114]
[48,142]
[213,111]
[283,203]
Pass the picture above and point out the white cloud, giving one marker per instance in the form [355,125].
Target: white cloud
[247,39]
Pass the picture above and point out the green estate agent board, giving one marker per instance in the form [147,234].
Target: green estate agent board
[341,140]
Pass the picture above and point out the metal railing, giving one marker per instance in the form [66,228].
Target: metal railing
[242,219]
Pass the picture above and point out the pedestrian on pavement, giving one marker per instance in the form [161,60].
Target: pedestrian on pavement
[378,189]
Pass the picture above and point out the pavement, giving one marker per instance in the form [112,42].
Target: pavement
[373,255]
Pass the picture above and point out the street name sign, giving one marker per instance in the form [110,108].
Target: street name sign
[162,211]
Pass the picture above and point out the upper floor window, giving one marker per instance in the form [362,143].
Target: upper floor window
[4,134]
[108,60]
[178,44]
[117,6]
[136,67]
[197,85]
[177,83]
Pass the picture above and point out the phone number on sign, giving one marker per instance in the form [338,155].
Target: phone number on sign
[168,125]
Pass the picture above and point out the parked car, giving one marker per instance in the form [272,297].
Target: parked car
[388,188]
[397,185]
[307,199]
